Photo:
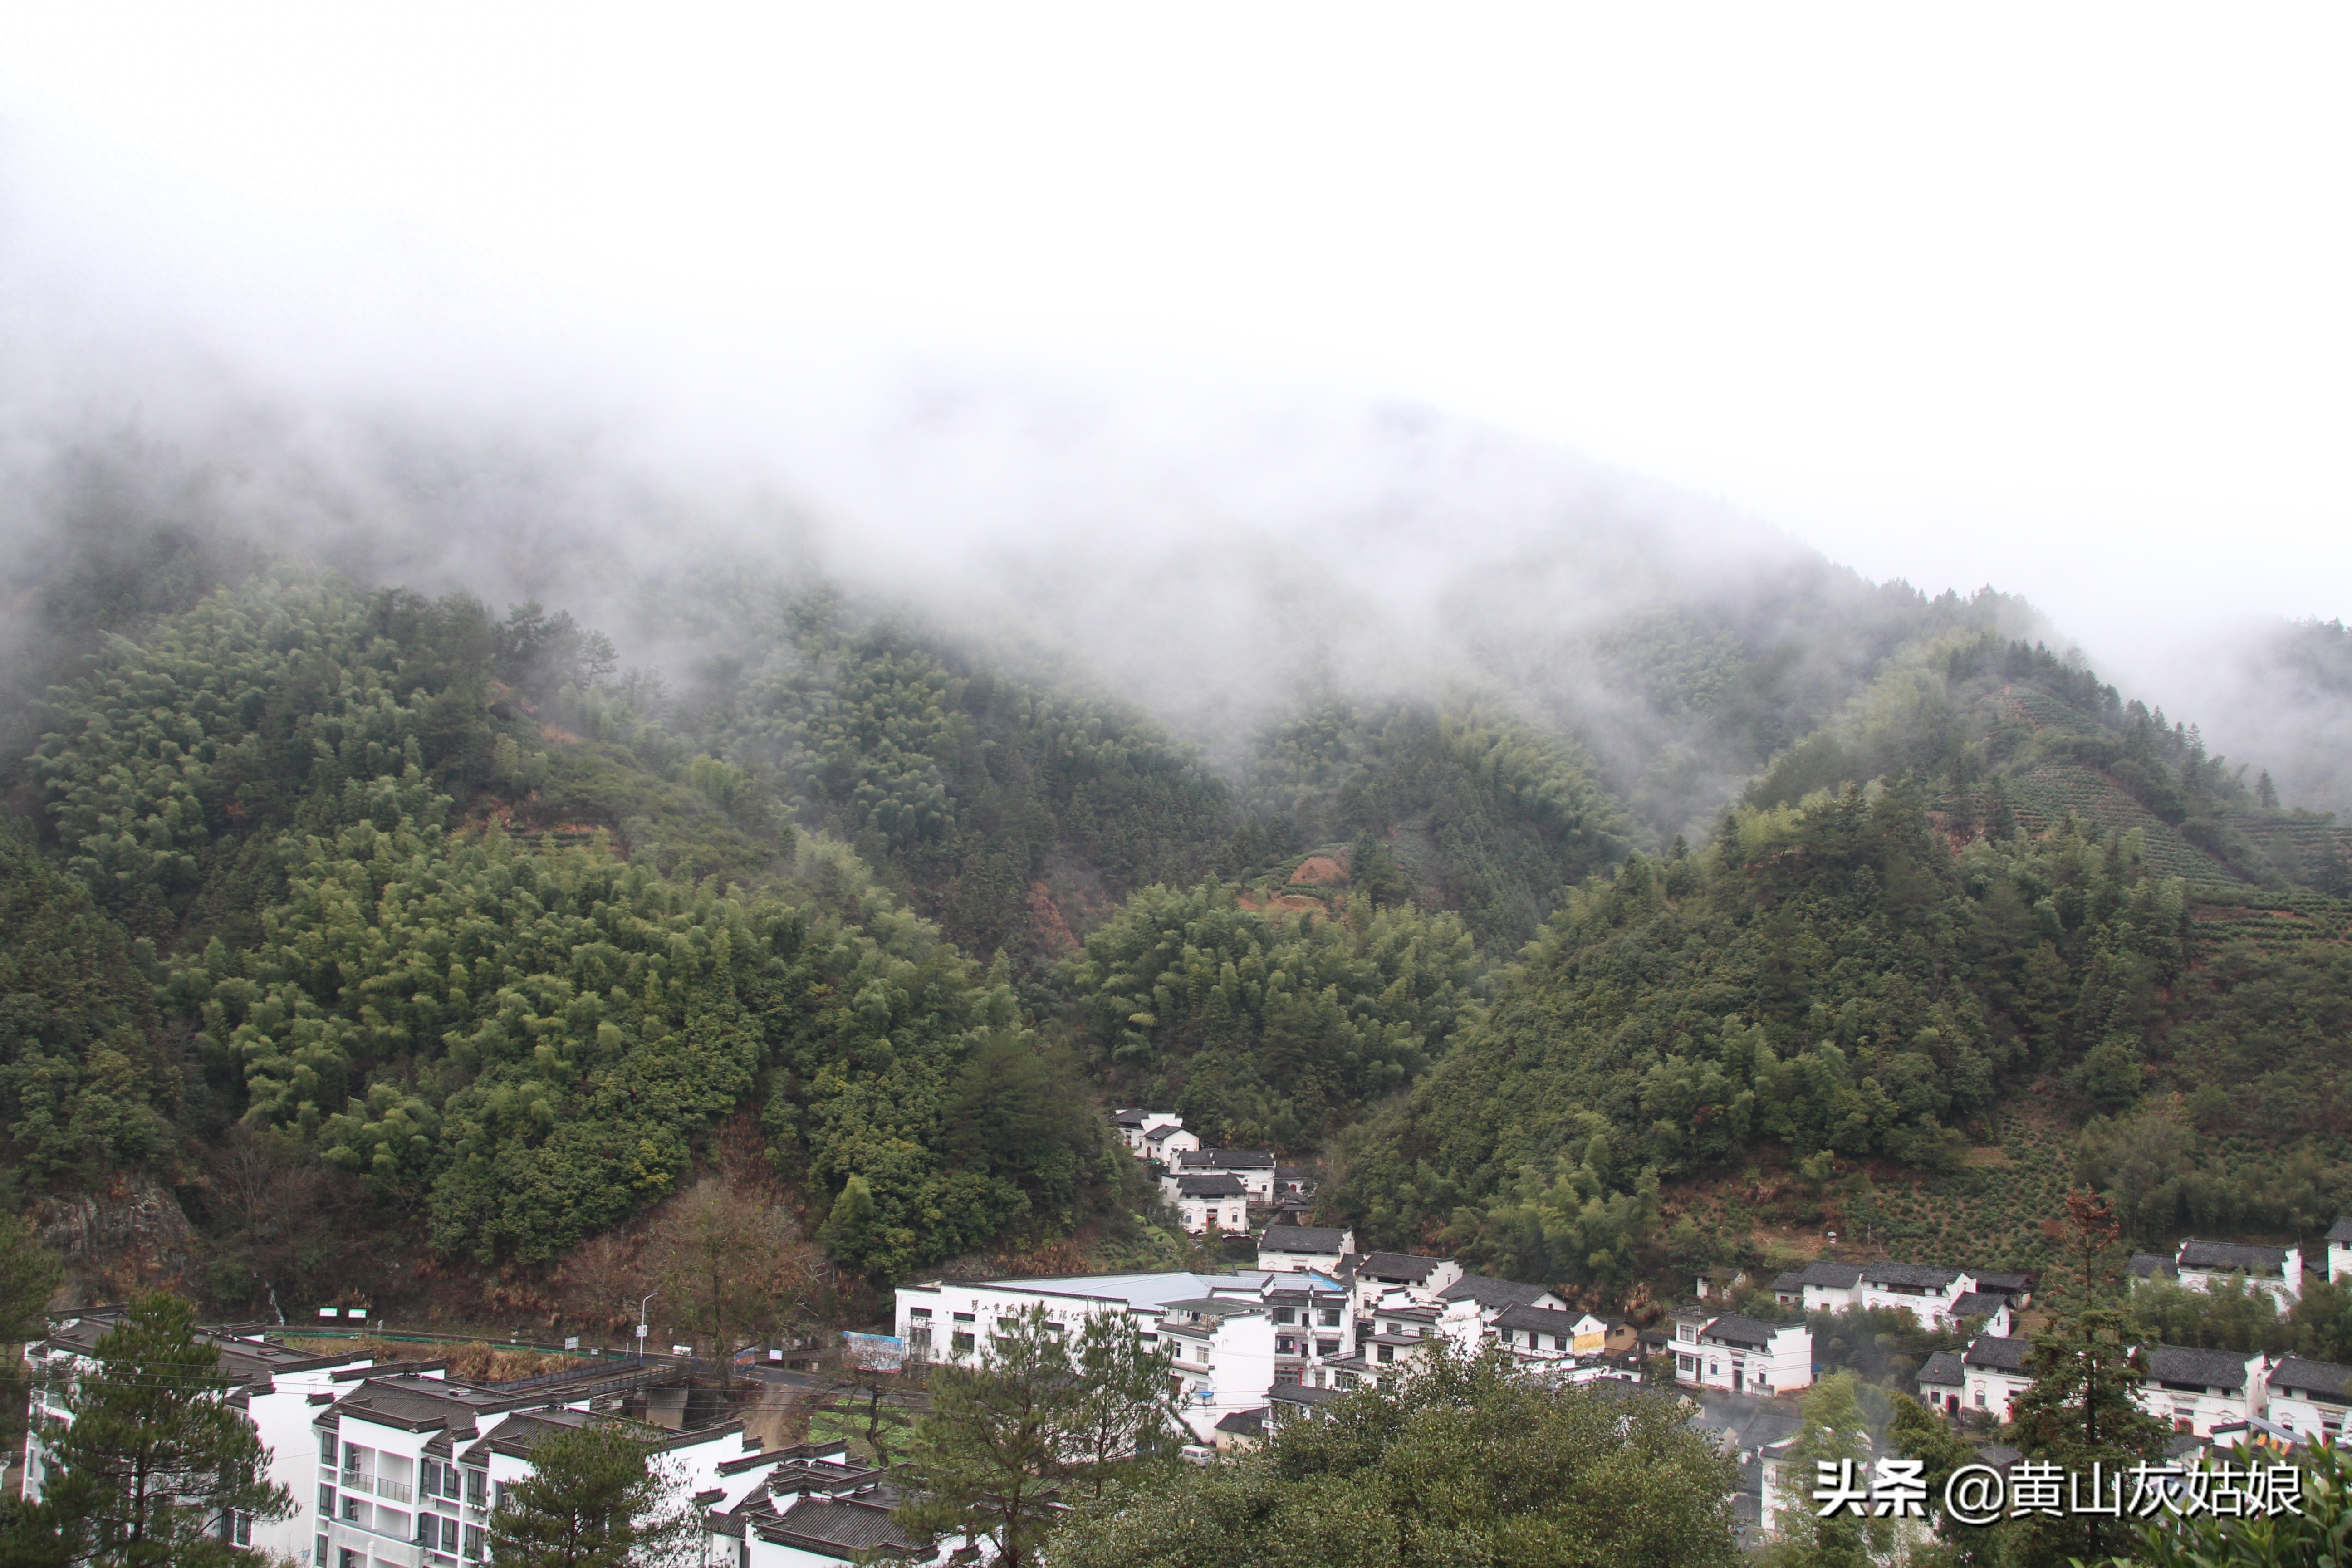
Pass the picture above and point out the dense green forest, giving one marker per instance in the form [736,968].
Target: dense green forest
[342,912]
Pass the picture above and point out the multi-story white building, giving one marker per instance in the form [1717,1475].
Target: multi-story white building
[1205,1202]
[1733,1352]
[2198,1389]
[2276,1272]
[1233,1336]
[1377,1273]
[278,1390]
[2312,1399]
[1253,1168]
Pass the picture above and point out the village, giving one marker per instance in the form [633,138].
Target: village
[399,1462]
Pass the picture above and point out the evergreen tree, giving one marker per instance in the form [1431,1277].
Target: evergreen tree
[989,1459]
[1125,1409]
[1834,1434]
[2082,1409]
[156,1451]
[595,1499]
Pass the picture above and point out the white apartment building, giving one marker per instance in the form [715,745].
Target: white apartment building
[1736,1353]
[1233,1336]
[277,1388]
[2198,1391]
[2277,1271]
[1294,1248]
[2312,1399]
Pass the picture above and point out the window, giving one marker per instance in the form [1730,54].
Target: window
[473,1543]
[351,1509]
[1387,1352]
[240,1528]
[1327,1347]
[1331,1317]
[918,1341]
[326,1502]
[922,1313]
[323,1557]
[476,1485]
[1284,1315]
[327,1449]
[963,1345]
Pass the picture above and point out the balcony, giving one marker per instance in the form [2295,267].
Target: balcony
[381,1547]
[382,1486]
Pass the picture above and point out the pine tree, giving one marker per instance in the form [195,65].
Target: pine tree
[989,1459]
[2082,1409]
[595,1499]
[155,1450]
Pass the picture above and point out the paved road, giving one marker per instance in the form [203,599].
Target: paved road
[817,1382]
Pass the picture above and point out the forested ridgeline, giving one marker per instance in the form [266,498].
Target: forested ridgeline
[299,795]
[429,912]
[1833,982]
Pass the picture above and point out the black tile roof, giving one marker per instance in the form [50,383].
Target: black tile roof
[1410,1266]
[1302,1238]
[1542,1320]
[2201,1368]
[2320,1377]
[1243,1423]
[2342,1229]
[1924,1276]
[1227,1159]
[1733,1329]
[1829,1275]
[1130,1117]
[1944,1369]
[2153,1265]
[848,1526]
[1996,1353]
[1489,1291]
[1216,1186]
[2232,1255]
[1979,1303]
[1300,1394]
[2008,1284]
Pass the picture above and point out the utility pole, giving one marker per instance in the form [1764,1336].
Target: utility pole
[641,1323]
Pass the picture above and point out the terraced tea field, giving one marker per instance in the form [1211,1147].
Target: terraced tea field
[2043,796]
[1989,1213]
[2269,919]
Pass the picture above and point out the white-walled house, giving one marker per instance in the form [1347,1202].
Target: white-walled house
[1208,1202]
[1493,1296]
[1136,1126]
[810,1507]
[1378,1273]
[1988,1310]
[1942,1383]
[2311,1399]
[1927,1291]
[2277,1271]
[1293,1248]
[1733,1352]
[1994,1373]
[2340,1250]
[2198,1389]
[1253,1168]
[1819,1286]
[1167,1140]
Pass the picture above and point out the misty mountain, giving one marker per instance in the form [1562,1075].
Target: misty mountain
[490,832]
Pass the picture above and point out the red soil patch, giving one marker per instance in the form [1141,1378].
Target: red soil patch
[1053,926]
[1319,869]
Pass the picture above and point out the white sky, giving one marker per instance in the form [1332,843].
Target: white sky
[2049,296]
